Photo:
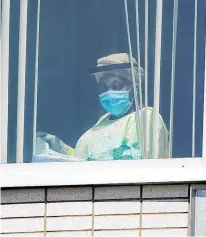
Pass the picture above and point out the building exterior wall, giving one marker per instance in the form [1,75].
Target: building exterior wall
[136,210]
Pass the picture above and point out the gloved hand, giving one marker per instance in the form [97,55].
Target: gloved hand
[54,143]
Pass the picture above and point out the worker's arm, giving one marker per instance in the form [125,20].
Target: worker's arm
[56,144]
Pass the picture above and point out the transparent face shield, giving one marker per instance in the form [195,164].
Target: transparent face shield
[116,77]
[114,83]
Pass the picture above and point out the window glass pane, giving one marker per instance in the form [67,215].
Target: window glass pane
[13,82]
[90,104]
[183,75]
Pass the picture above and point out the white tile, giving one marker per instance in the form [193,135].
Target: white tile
[68,194]
[22,225]
[125,233]
[118,207]
[22,210]
[117,192]
[164,206]
[69,223]
[68,234]
[22,195]
[165,232]
[24,235]
[116,222]
[69,208]
[162,191]
[164,220]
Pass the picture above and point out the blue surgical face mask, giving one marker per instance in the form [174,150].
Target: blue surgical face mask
[116,103]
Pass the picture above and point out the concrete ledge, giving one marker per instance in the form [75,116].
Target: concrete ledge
[103,173]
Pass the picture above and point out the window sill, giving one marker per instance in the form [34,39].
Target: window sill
[103,173]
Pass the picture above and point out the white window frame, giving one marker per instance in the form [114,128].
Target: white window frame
[182,163]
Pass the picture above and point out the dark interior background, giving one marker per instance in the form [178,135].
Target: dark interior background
[73,35]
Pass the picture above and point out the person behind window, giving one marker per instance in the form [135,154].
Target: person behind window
[118,134]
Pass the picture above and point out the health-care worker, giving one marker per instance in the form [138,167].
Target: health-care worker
[119,133]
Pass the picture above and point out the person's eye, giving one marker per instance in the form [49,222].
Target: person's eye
[115,87]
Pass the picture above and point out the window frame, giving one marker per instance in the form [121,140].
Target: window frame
[4,96]
[193,190]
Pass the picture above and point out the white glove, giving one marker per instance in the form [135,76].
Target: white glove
[54,142]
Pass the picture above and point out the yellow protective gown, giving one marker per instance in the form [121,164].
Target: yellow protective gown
[119,140]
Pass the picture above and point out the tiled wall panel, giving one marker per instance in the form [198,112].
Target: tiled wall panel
[165,232]
[115,192]
[165,191]
[149,210]
[22,210]
[22,225]
[68,223]
[164,220]
[165,206]
[24,235]
[69,234]
[124,233]
[120,207]
[23,195]
[69,194]
[69,208]
[116,222]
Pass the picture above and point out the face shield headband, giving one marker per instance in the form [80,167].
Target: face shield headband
[111,67]
[121,70]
